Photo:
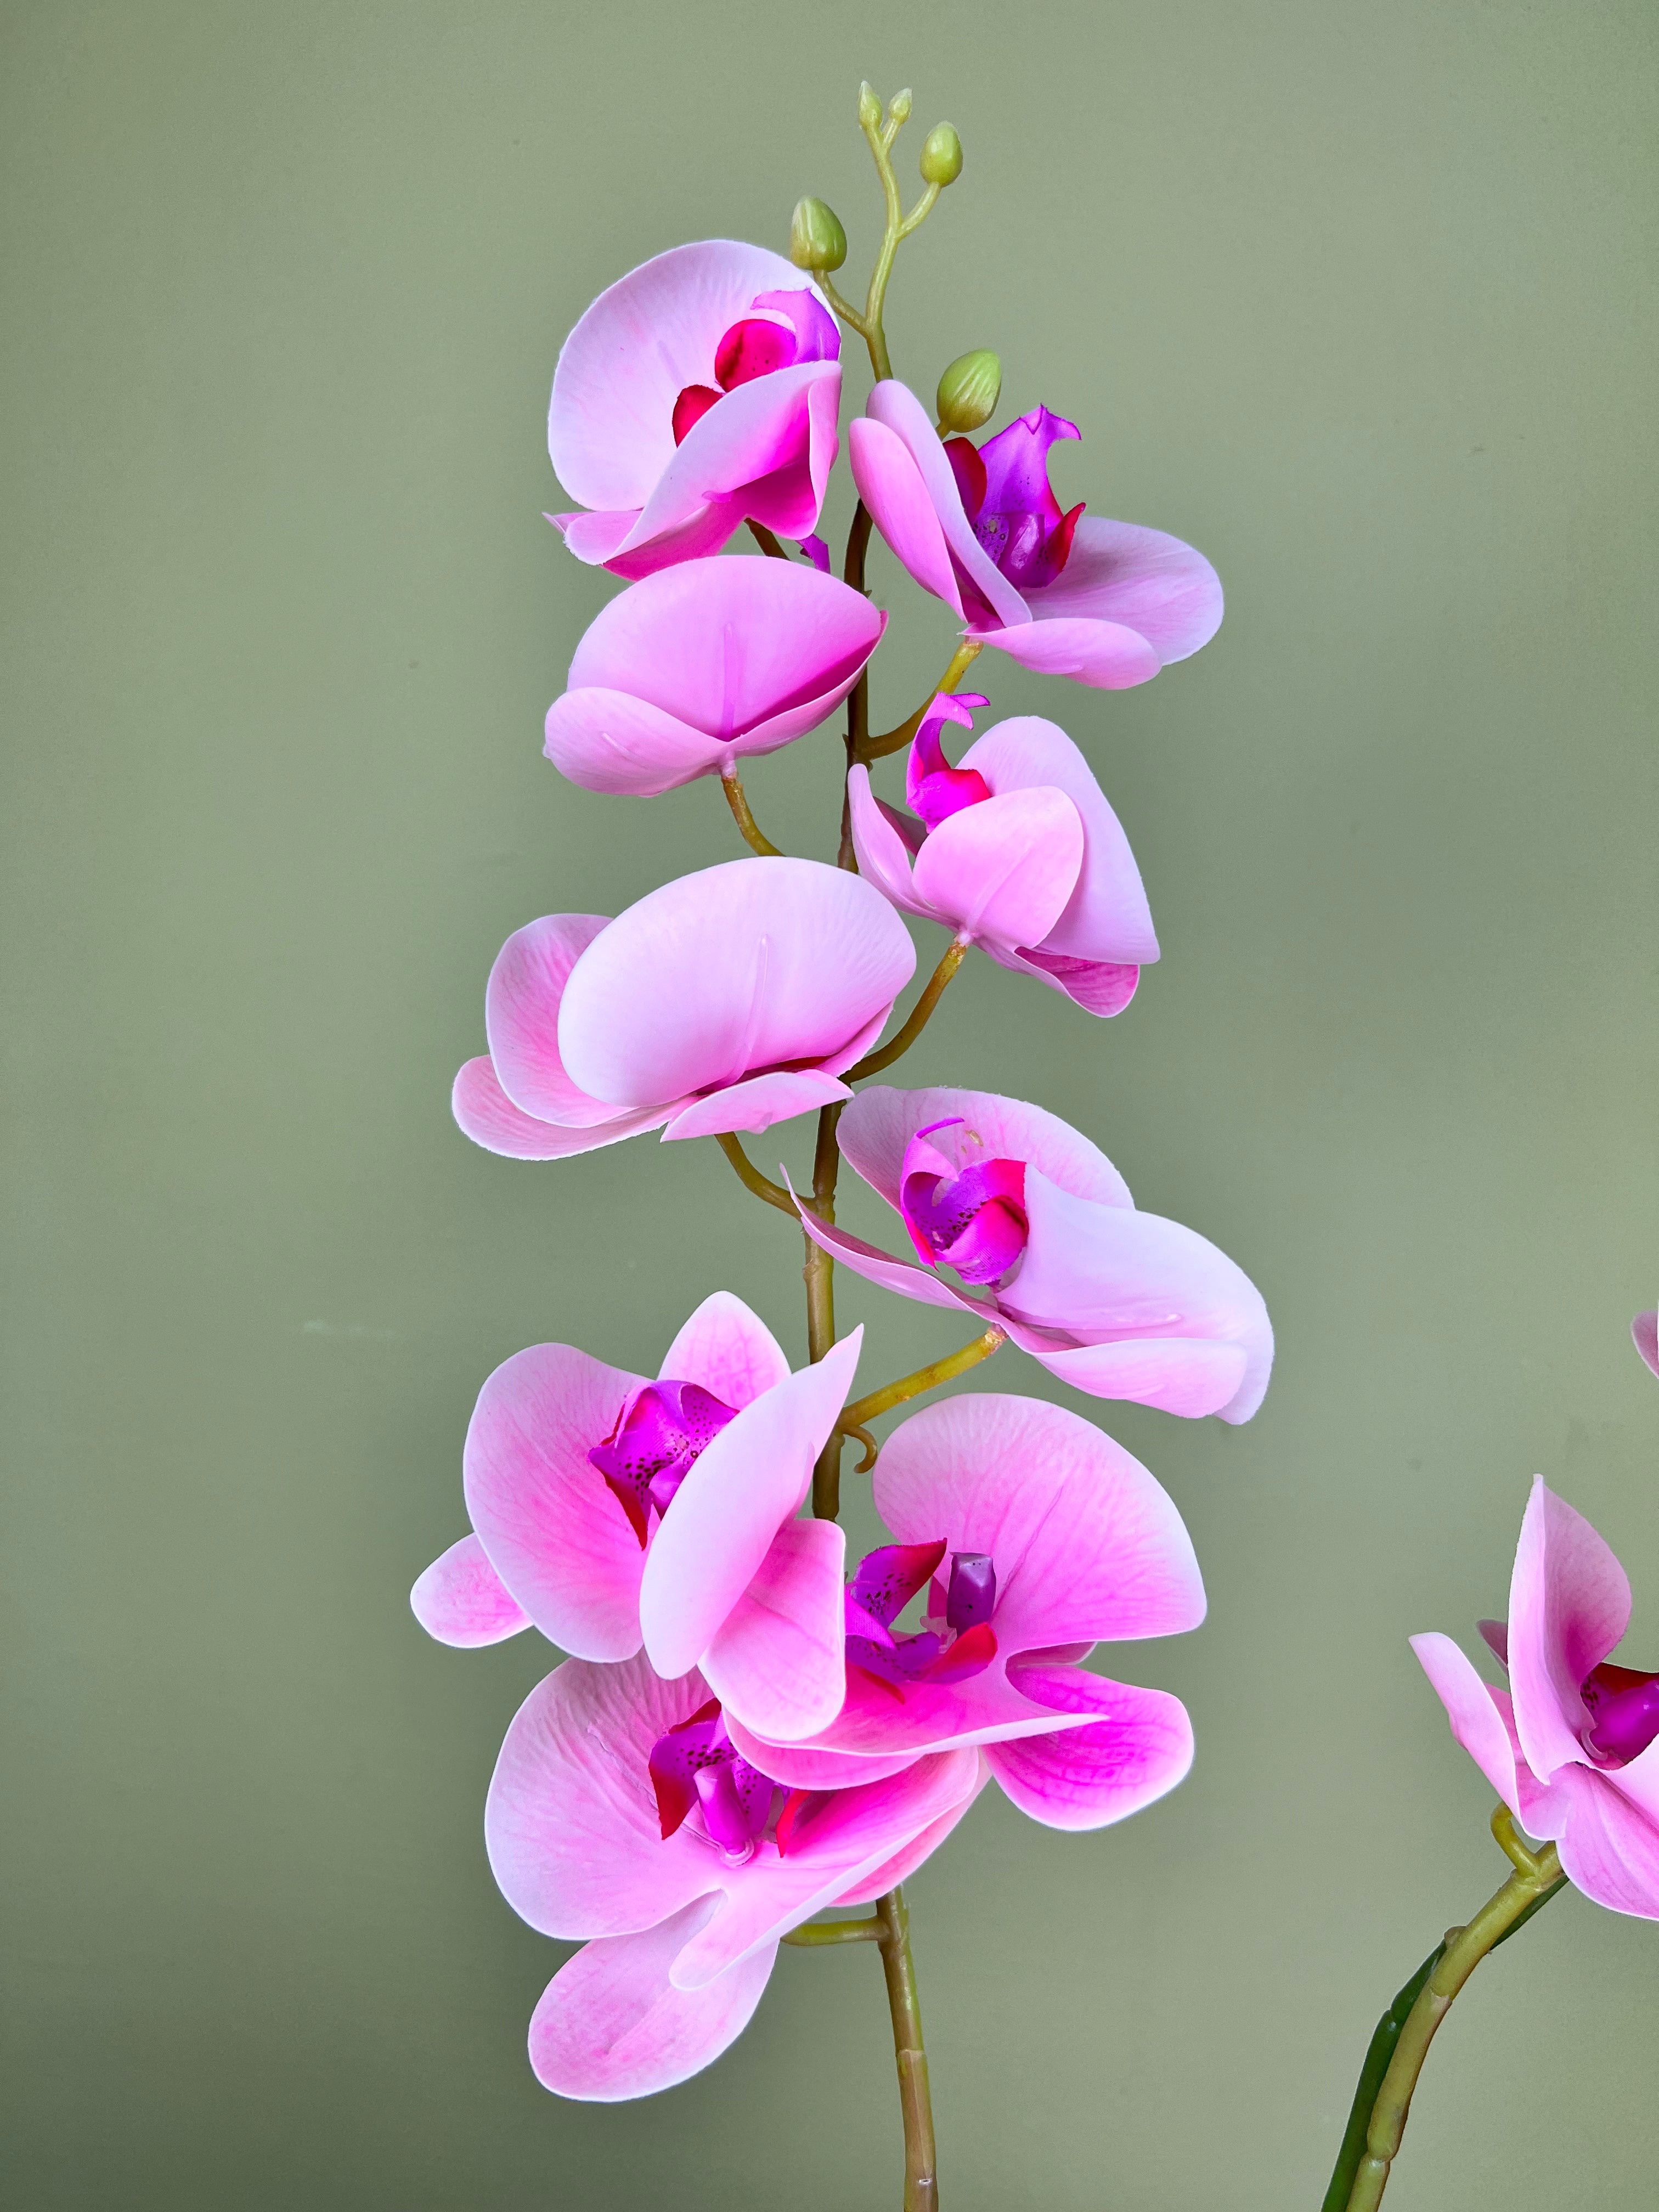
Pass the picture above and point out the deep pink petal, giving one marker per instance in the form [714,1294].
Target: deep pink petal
[1004,869]
[932,1716]
[1569,1607]
[775,1662]
[522,1018]
[903,1863]
[1104,987]
[1644,1335]
[1085,1543]
[746,1484]
[876,1130]
[756,1105]
[811,1769]
[752,454]
[890,485]
[611,2024]
[1107,917]
[461,1600]
[1104,654]
[571,1823]
[1137,1748]
[895,406]
[730,972]
[727,1349]
[1151,583]
[488,1116]
[544,1514]
[879,849]
[1471,1707]
[1186,1376]
[857,1830]
[1609,1847]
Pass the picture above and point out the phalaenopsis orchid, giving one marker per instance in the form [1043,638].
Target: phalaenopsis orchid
[750,1731]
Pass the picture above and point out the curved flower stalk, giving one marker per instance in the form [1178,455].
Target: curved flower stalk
[1018,850]
[699,392]
[1107,602]
[726,1000]
[613,1512]
[684,674]
[1039,1227]
[620,1814]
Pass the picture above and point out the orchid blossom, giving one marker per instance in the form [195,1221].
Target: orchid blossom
[729,999]
[1040,1227]
[699,392]
[1067,594]
[1016,849]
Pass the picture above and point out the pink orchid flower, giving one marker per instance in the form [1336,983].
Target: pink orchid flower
[1644,1335]
[613,1512]
[1038,1535]
[621,1812]
[1572,1747]
[1108,603]
[728,999]
[699,392]
[1040,1225]
[1016,850]
[682,675]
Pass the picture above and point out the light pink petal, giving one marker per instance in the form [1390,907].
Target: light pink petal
[701,531]
[744,1485]
[880,851]
[890,485]
[918,1851]
[1569,1607]
[522,1018]
[731,646]
[595,538]
[904,1276]
[1137,1748]
[775,1661]
[553,1530]
[571,1824]
[611,2024]
[1182,1375]
[461,1600]
[1609,1847]
[1005,868]
[488,1116]
[729,1350]
[843,1842]
[897,407]
[742,968]
[606,740]
[1104,987]
[1476,1721]
[876,1128]
[1104,654]
[1084,1542]
[1644,1335]
[1119,572]
[756,1105]
[1106,918]
[932,1716]
[609,428]
[811,1769]
[751,454]
[1106,1272]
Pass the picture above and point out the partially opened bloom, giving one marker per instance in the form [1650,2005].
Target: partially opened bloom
[1040,1227]
[728,999]
[682,674]
[1572,1747]
[1110,603]
[700,392]
[613,1512]
[1016,849]
[1038,1535]
[620,1812]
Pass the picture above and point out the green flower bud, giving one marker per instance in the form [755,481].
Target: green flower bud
[899,107]
[969,392]
[941,155]
[817,240]
[869,109]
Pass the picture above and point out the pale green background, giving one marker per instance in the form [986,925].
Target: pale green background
[1357,298]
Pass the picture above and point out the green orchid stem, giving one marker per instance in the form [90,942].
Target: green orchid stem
[818,1934]
[1382,2103]
[858,699]
[732,785]
[880,135]
[893,741]
[820,1277]
[861,1410]
[751,1178]
[767,541]
[915,2100]
[873,1062]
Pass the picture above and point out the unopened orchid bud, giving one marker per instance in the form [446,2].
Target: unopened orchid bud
[817,240]
[969,392]
[899,107]
[869,108]
[941,155]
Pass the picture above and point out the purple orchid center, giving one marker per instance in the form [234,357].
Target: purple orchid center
[697,1769]
[954,1643]
[759,345]
[1624,1709]
[973,1218]
[1008,502]
[933,787]
[659,1434]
